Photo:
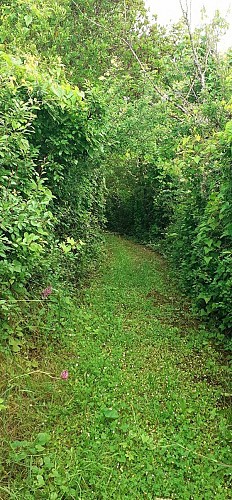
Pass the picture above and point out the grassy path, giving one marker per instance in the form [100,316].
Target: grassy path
[143,413]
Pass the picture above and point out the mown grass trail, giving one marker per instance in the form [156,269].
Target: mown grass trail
[143,413]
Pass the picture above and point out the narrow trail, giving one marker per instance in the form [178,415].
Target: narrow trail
[143,413]
[152,367]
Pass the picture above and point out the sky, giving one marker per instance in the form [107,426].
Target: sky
[169,11]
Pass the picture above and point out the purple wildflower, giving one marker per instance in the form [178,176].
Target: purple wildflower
[46,292]
[64,374]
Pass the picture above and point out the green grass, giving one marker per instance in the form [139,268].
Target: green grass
[144,411]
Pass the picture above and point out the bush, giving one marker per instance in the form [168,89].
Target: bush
[51,182]
[200,238]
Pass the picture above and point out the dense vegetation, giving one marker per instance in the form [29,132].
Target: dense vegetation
[151,114]
[172,153]
[110,121]
[51,180]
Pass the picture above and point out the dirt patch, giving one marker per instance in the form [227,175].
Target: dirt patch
[178,317]
[209,379]
[158,298]
[225,401]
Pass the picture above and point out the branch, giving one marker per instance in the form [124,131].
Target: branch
[187,19]
[163,95]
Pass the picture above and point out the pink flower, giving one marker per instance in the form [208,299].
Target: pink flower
[64,374]
[46,292]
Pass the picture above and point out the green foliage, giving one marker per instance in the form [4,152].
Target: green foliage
[200,237]
[91,90]
[25,219]
[168,161]
[85,36]
[24,234]
[51,179]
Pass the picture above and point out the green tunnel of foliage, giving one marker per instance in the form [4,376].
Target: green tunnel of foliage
[186,211]
[152,118]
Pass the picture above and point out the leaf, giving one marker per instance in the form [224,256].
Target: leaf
[15,345]
[206,298]
[39,447]
[2,406]
[34,363]
[197,159]
[58,91]
[110,414]
[43,438]
[28,20]
[207,259]
[40,480]
[228,231]
[20,456]
[208,241]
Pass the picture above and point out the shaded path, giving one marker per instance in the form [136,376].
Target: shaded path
[161,376]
